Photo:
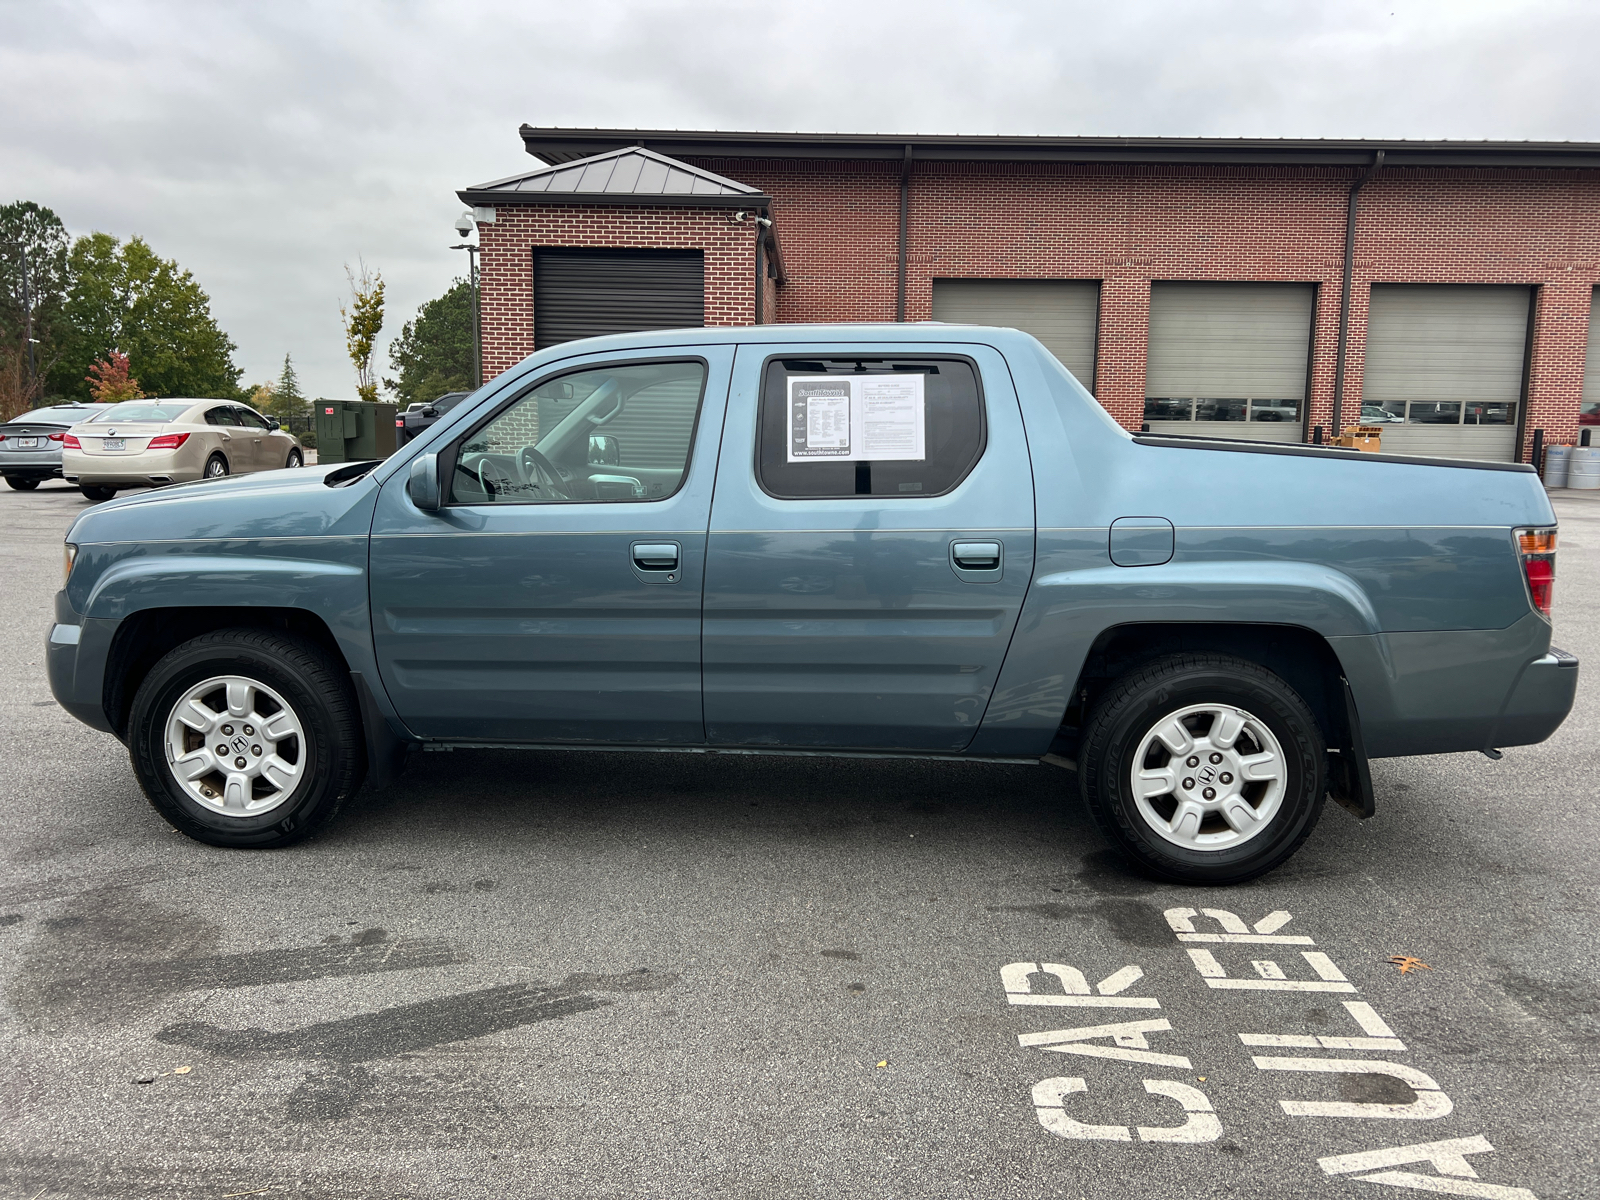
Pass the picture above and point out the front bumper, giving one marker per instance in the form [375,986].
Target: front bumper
[76,650]
[1539,701]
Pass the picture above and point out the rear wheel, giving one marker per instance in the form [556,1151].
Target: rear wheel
[20,483]
[246,738]
[96,493]
[216,466]
[1203,768]
[295,460]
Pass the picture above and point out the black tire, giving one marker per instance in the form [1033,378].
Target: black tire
[96,493]
[21,483]
[296,459]
[216,466]
[332,758]
[1135,705]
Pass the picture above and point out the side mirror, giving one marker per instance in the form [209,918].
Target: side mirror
[423,483]
[604,450]
[430,412]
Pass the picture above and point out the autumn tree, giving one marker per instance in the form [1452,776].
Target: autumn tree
[363,321]
[433,353]
[123,296]
[111,380]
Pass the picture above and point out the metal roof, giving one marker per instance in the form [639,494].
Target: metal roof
[565,145]
[629,175]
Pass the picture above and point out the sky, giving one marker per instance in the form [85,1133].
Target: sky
[267,145]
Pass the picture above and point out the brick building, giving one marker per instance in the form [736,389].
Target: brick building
[1194,285]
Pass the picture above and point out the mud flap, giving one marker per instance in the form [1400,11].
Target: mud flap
[387,751]
[1349,779]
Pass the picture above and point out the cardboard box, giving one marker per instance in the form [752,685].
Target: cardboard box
[1361,437]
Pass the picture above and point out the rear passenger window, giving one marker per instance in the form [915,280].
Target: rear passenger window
[841,427]
[222,416]
[611,433]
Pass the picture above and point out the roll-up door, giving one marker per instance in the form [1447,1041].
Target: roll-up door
[1229,359]
[1589,411]
[586,293]
[1061,313]
[1444,368]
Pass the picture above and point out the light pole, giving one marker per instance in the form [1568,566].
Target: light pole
[464,226]
[27,319]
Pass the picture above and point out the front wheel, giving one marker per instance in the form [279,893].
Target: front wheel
[1203,768]
[247,739]
[20,483]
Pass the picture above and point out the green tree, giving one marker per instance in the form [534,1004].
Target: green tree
[122,296]
[282,399]
[363,321]
[433,353]
[31,230]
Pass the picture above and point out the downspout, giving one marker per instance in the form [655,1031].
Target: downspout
[761,271]
[905,212]
[1344,292]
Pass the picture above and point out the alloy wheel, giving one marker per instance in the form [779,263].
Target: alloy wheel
[235,746]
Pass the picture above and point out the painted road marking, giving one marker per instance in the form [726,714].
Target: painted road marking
[1430,1104]
[1233,929]
[1200,1124]
[1131,1043]
[1272,978]
[1379,1035]
[1456,1176]
[1017,979]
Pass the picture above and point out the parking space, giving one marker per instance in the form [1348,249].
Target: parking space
[589,975]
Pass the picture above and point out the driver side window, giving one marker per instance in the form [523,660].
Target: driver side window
[609,433]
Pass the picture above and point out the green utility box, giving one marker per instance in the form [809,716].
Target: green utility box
[354,430]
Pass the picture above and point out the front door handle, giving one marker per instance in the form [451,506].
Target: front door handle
[976,556]
[656,556]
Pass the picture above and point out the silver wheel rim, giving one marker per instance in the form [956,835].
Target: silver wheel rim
[235,746]
[216,468]
[1208,777]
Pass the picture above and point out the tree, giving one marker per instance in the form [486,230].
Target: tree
[362,324]
[110,381]
[28,230]
[282,399]
[123,296]
[433,353]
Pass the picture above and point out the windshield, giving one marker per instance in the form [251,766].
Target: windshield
[141,410]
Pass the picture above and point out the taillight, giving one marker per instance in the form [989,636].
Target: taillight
[1537,547]
[167,441]
[56,437]
[70,443]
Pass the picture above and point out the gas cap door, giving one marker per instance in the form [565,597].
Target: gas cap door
[1141,541]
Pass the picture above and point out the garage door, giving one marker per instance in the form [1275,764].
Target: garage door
[1444,368]
[1061,313]
[1589,413]
[1229,359]
[586,293]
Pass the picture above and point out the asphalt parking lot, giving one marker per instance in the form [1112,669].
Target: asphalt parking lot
[565,975]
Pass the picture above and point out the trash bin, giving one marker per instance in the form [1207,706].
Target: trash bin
[1583,469]
[1556,459]
[354,430]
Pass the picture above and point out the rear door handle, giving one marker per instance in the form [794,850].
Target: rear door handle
[655,556]
[975,556]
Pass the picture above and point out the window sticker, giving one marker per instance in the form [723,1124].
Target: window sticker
[857,418]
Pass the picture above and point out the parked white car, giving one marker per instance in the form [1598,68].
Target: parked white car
[146,443]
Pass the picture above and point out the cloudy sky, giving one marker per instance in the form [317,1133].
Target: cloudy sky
[266,145]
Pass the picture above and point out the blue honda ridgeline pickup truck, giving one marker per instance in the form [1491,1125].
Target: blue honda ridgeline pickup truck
[835,539]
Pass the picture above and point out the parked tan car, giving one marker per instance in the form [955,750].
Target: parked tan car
[146,443]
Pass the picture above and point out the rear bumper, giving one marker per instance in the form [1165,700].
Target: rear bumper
[1539,701]
[144,469]
[30,466]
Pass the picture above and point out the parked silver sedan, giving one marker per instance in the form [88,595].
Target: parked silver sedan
[30,444]
[147,443]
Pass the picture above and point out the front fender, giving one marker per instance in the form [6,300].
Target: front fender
[1068,608]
